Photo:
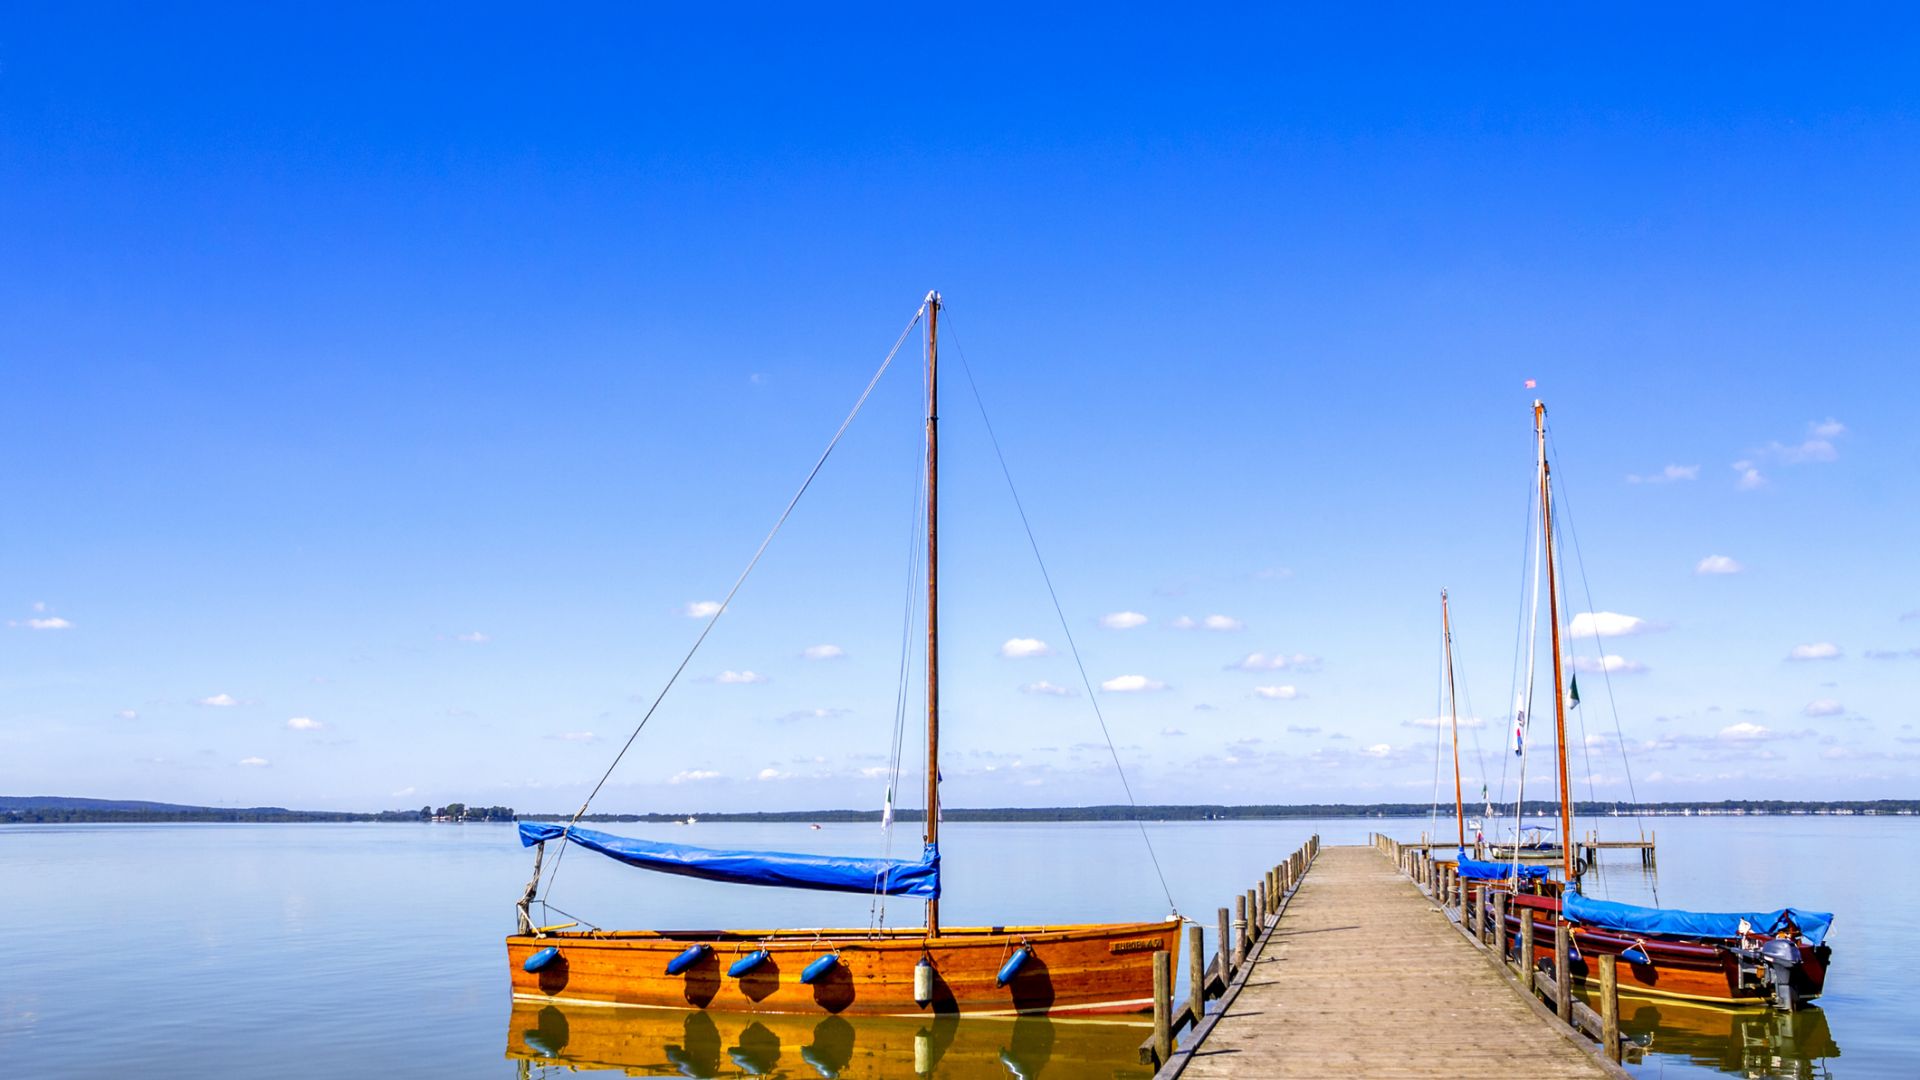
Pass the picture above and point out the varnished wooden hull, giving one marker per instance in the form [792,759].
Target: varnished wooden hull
[1074,970]
[651,1042]
[1698,971]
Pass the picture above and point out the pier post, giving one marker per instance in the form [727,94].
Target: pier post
[1470,910]
[1526,948]
[1563,970]
[1500,925]
[1162,1006]
[1197,972]
[1610,1006]
[1239,931]
[1261,906]
[1226,949]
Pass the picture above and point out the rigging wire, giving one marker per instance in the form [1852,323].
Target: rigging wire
[1061,613]
[699,640]
[1519,636]
[1606,676]
[877,908]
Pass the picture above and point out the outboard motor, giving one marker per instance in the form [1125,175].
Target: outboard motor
[1781,957]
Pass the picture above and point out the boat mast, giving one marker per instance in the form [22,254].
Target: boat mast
[1553,623]
[933,590]
[1453,706]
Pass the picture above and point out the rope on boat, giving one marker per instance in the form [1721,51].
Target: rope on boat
[567,833]
[1065,628]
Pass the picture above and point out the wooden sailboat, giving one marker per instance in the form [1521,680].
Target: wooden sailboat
[1754,958]
[935,969]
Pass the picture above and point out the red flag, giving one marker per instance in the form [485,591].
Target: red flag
[1529,384]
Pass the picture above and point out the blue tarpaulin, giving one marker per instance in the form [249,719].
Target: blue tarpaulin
[1480,870]
[1607,914]
[888,877]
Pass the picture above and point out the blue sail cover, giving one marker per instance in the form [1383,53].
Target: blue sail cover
[1813,925]
[887,877]
[1480,870]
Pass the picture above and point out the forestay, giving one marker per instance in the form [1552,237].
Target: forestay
[1610,915]
[886,877]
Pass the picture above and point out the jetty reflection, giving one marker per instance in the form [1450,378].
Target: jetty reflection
[650,1042]
[1743,1042]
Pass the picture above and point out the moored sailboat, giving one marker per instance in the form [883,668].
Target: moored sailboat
[876,970]
[1774,958]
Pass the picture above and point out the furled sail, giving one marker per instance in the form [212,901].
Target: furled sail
[1610,915]
[886,877]
[1481,870]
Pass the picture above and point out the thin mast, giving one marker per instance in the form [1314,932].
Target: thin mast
[933,589]
[1453,706]
[1553,622]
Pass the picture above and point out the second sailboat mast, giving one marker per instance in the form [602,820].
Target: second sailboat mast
[1553,625]
[933,589]
[1453,707]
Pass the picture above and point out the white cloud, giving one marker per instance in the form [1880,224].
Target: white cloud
[1717,564]
[692,776]
[1183,622]
[1123,620]
[771,774]
[1443,721]
[1824,707]
[1046,689]
[303,723]
[1132,684]
[1750,477]
[254,762]
[575,736]
[1608,665]
[1819,650]
[51,622]
[473,637]
[1826,429]
[812,714]
[1222,622]
[1172,732]
[1260,661]
[1277,693]
[219,701]
[700,609]
[1022,648]
[127,714]
[402,793]
[1378,750]
[875,772]
[1667,475]
[1744,732]
[1607,624]
[1816,447]
[739,678]
[823,652]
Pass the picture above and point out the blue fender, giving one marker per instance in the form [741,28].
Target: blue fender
[541,959]
[687,959]
[747,963]
[1013,965]
[819,967]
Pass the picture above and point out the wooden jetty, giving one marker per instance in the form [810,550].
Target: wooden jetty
[1355,969]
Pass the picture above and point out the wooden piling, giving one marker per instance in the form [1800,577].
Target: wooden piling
[1227,965]
[1610,1006]
[1162,1005]
[1500,925]
[1239,931]
[1470,910]
[1261,906]
[1563,971]
[1197,973]
[1526,944]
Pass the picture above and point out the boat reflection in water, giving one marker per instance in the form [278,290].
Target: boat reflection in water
[1743,1042]
[649,1042]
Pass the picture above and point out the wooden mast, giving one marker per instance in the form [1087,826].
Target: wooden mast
[1553,623]
[933,590]
[1453,707]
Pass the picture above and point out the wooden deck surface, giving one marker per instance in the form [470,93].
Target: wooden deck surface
[1364,977]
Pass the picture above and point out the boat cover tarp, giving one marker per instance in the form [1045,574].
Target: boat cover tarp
[1608,914]
[887,877]
[1481,870]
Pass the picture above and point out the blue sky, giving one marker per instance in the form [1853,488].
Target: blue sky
[380,388]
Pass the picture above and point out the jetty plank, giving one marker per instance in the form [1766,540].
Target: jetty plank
[1365,977]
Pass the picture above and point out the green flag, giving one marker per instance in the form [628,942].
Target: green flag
[1575,695]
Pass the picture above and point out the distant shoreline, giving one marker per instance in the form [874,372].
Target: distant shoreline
[42,809]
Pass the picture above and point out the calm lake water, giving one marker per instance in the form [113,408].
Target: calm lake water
[332,950]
